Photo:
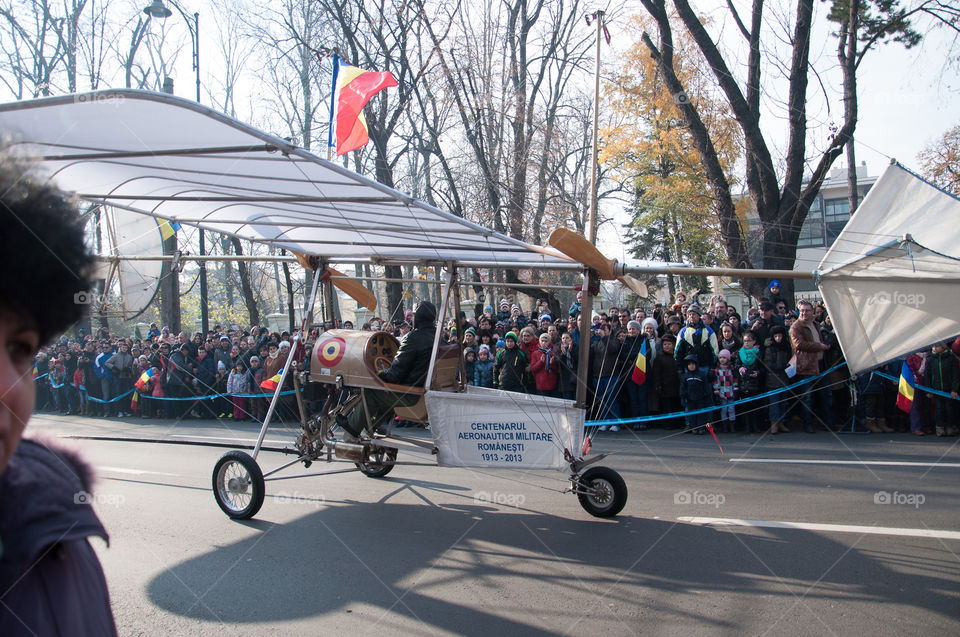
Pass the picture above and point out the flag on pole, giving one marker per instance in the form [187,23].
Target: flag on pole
[908,384]
[270,384]
[352,89]
[639,375]
[144,379]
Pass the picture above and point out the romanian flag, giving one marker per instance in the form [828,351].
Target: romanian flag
[908,384]
[640,366]
[168,228]
[144,379]
[352,89]
[270,384]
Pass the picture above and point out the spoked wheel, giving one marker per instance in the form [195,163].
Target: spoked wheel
[380,463]
[238,485]
[604,493]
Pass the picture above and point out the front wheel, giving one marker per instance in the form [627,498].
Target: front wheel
[379,464]
[238,485]
[602,492]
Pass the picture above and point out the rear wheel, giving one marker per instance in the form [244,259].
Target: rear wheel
[238,485]
[602,492]
[380,463]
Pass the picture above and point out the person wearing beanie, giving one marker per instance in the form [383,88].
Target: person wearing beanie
[483,368]
[409,367]
[698,339]
[488,312]
[774,294]
[725,387]
[470,362]
[504,311]
[695,393]
[776,358]
[512,366]
[663,396]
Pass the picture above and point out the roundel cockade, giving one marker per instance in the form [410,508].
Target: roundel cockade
[330,351]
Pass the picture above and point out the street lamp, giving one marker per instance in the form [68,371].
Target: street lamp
[156,9]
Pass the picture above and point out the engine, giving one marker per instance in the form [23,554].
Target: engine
[356,355]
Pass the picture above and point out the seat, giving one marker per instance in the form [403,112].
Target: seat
[444,378]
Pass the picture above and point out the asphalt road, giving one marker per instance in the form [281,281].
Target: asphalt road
[431,550]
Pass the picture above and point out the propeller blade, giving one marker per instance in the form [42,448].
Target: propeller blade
[354,289]
[639,287]
[579,249]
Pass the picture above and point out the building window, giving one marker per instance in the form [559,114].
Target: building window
[811,234]
[836,217]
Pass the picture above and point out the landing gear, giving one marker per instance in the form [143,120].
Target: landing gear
[380,462]
[601,491]
[238,485]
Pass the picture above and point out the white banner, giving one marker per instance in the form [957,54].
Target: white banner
[491,428]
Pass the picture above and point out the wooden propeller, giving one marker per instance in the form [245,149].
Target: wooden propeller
[351,287]
[579,249]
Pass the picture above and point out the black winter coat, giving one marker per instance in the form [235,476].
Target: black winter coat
[412,361]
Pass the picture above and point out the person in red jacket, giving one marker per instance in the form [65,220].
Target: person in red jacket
[546,372]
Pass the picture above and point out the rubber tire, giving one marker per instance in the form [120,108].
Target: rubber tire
[613,482]
[256,485]
[378,470]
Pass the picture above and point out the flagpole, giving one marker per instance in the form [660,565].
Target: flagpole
[331,136]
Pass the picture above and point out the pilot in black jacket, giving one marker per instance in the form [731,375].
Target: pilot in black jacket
[409,367]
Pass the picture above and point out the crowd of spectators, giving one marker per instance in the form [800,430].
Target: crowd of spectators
[696,358]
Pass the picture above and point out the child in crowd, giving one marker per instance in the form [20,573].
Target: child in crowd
[695,393]
[469,363]
[663,396]
[751,381]
[543,365]
[483,368]
[80,390]
[254,377]
[510,371]
[237,384]
[725,385]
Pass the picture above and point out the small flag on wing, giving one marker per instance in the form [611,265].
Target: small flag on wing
[270,384]
[908,384]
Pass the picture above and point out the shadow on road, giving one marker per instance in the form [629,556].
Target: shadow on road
[406,559]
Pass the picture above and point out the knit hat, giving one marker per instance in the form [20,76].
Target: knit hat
[633,324]
[774,283]
[695,308]
[504,303]
[514,307]
[469,330]
[484,348]
[724,353]
[284,345]
[488,308]
[649,321]
[545,317]
[673,319]
[512,335]
[254,358]
[221,367]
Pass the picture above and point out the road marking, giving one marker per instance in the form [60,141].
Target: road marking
[863,463]
[135,472]
[221,438]
[829,528]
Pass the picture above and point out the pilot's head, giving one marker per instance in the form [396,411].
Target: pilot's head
[425,315]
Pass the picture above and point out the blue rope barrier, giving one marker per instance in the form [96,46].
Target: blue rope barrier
[923,388]
[704,410]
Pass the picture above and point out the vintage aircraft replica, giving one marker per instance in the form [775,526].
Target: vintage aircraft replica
[203,169]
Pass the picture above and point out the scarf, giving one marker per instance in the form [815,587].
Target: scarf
[749,356]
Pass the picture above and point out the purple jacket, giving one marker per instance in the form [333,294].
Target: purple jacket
[52,579]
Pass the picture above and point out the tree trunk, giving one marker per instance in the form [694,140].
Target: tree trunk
[245,287]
